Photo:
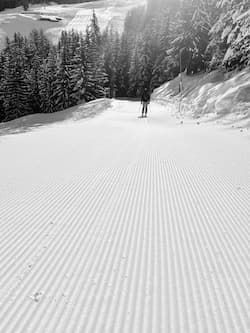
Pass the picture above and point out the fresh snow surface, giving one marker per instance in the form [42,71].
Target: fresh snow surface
[119,224]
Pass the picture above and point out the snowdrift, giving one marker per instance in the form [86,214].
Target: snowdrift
[35,121]
[216,95]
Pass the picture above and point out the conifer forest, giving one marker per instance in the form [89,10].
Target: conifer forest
[37,76]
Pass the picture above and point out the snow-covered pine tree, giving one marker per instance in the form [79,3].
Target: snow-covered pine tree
[48,82]
[68,76]
[34,79]
[230,35]
[2,83]
[89,83]
[135,79]
[241,44]
[148,56]
[111,45]
[16,86]
[81,53]
[40,43]
[204,16]
[123,65]
[95,31]
[77,69]
[187,40]
[95,75]
[160,43]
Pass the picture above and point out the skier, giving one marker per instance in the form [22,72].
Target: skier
[145,100]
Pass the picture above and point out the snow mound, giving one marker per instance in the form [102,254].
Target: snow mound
[214,95]
[35,121]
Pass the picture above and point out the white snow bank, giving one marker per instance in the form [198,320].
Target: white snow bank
[218,95]
[35,121]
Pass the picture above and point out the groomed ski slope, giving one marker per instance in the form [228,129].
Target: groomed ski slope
[119,224]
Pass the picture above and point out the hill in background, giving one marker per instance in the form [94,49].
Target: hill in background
[75,16]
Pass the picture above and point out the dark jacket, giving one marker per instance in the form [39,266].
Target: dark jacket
[145,97]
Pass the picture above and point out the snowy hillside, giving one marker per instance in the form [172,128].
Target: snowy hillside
[119,224]
[109,13]
[75,16]
[223,97]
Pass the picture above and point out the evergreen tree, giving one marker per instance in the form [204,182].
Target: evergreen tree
[2,84]
[95,75]
[48,83]
[95,32]
[66,82]
[40,43]
[123,66]
[230,39]
[34,79]
[135,79]
[111,46]
[141,65]
[16,87]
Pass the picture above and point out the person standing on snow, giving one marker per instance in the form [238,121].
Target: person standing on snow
[145,100]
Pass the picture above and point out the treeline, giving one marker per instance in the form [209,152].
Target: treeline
[10,4]
[4,4]
[37,77]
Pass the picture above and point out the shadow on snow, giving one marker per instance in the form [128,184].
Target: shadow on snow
[35,121]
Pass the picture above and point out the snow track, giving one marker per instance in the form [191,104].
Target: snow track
[119,224]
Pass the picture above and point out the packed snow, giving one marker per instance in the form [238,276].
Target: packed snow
[112,223]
